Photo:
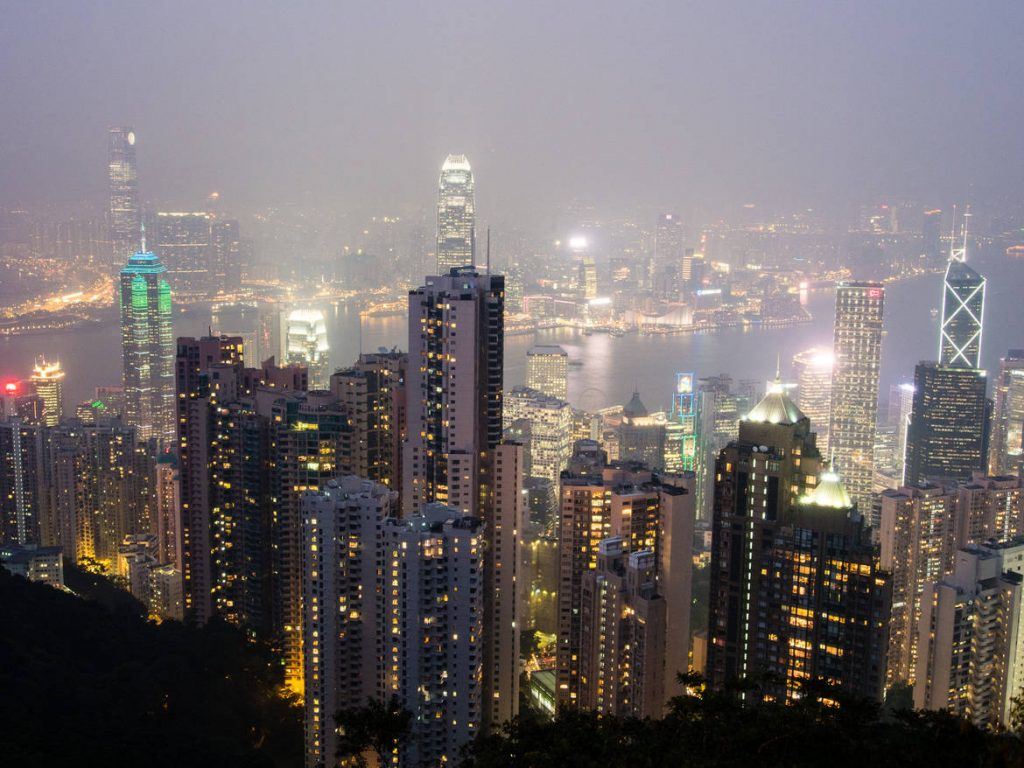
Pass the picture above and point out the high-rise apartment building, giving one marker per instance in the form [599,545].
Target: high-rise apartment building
[456,215]
[622,653]
[947,437]
[344,589]
[547,370]
[1006,446]
[22,497]
[644,513]
[812,373]
[858,352]
[147,347]
[918,540]
[971,636]
[548,444]
[125,219]
[989,508]
[48,380]
[455,455]
[795,589]
[372,393]
[183,244]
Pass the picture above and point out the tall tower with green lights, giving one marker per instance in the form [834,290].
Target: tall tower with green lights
[147,346]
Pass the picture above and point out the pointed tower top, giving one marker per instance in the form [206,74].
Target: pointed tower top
[142,227]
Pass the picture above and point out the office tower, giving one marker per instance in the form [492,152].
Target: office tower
[931,247]
[718,415]
[48,380]
[682,431]
[599,501]
[971,660]
[183,246]
[454,454]
[989,508]
[456,215]
[548,445]
[963,304]
[21,475]
[167,500]
[147,347]
[812,372]
[858,351]
[641,434]
[668,240]
[904,396]
[304,340]
[586,278]
[225,256]
[372,393]
[547,370]
[623,639]
[1007,443]
[947,437]
[17,400]
[125,219]
[343,629]
[97,490]
[918,539]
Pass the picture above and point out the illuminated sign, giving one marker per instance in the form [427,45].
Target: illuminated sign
[684,383]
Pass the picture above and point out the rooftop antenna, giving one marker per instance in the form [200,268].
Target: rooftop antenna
[967,215]
[142,226]
[778,366]
[488,250]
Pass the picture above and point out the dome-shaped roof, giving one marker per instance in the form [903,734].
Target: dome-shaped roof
[829,492]
[775,407]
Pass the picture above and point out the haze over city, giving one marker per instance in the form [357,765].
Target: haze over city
[511,384]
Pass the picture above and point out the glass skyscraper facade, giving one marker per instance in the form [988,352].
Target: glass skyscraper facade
[124,217]
[147,347]
[456,215]
[963,301]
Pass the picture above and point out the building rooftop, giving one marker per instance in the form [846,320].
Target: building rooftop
[775,407]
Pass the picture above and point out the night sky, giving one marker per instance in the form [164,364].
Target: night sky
[618,104]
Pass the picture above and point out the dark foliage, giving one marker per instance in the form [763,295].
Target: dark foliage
[82,684]
[716,730]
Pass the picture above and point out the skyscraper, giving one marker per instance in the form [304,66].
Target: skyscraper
[947,437]
[125,219]
[22,498]
[456,215]
[183,244]
[550,431]
[304,340]
[455,455]
[547,370]
[963,304]
[147,347]
[812,371]
[48,380]
[682,432]
[858,352]
[1007,442]
[931,248]
[225,255]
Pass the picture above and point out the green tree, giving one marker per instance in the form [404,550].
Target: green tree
[377,727]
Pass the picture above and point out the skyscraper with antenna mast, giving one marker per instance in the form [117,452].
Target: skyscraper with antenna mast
[456,215]
[963,304]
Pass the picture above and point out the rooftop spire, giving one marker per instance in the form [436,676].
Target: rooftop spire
[142,227]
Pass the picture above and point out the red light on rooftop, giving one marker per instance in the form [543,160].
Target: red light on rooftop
[11,387]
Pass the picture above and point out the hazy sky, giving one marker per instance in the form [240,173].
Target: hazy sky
[663,104]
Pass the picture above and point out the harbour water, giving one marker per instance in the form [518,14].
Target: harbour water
[611,366]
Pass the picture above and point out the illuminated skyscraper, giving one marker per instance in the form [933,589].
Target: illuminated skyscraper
[812,371]
[21,491]
[1007,443]
[456,215]
[682,430]
[547,370]
[931,248]
[124,213]
[183,245]
[963,303]
[455,455]
[858,353]
[550,430]
[947,437]
[147,347]
[305,343]
[48,379]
